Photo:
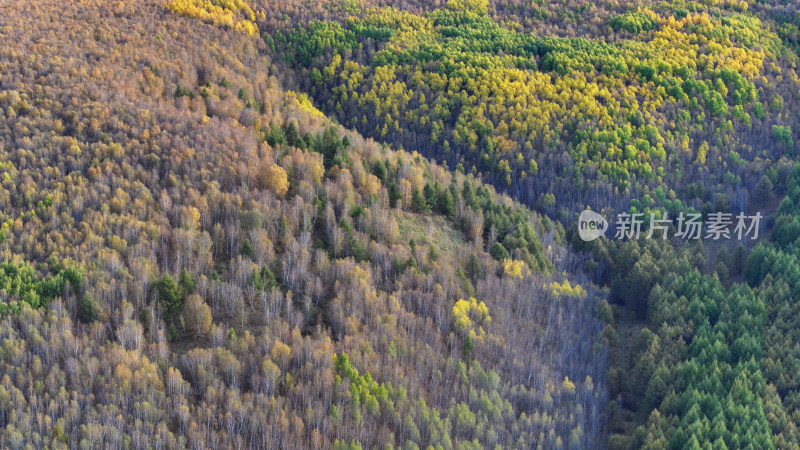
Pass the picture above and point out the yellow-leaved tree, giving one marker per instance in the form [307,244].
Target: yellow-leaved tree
[235,14]
[515,268]
[469,317]
[275,179]
[197,315]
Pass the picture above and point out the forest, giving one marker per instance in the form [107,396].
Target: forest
[352,224]
[673,112]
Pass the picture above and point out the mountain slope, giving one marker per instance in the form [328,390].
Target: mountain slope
[670,109]
[197,258]
[665,107]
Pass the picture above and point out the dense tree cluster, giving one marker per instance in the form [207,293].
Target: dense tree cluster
[692,95]
[220,12]
[193,257]
[716,361]
[672,107]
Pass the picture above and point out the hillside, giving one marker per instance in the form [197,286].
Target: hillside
[352,224]
[665,108]
[194,256]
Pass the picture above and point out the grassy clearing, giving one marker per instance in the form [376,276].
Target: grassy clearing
[436,230]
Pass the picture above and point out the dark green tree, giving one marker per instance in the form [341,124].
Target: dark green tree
[446,203]
[418,202]
[394,194]
[499,252]
[169,296]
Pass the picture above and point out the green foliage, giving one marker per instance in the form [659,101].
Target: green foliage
[735,345]
[765,191]
[789,31]
[182,91]
[634,22]
[394,194]
[186,283]
[170,297]
[418,202]
[145,184]
[379,170]
[784,136]
[332,148]
[363,389]
[247,249]
[312,43]
[20,282]
[431,194]
[251,220]
[499,252]
[357,249]
[474,269]
[263,279]
[446,203]
[88,311]
[475,6]
[433,74]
